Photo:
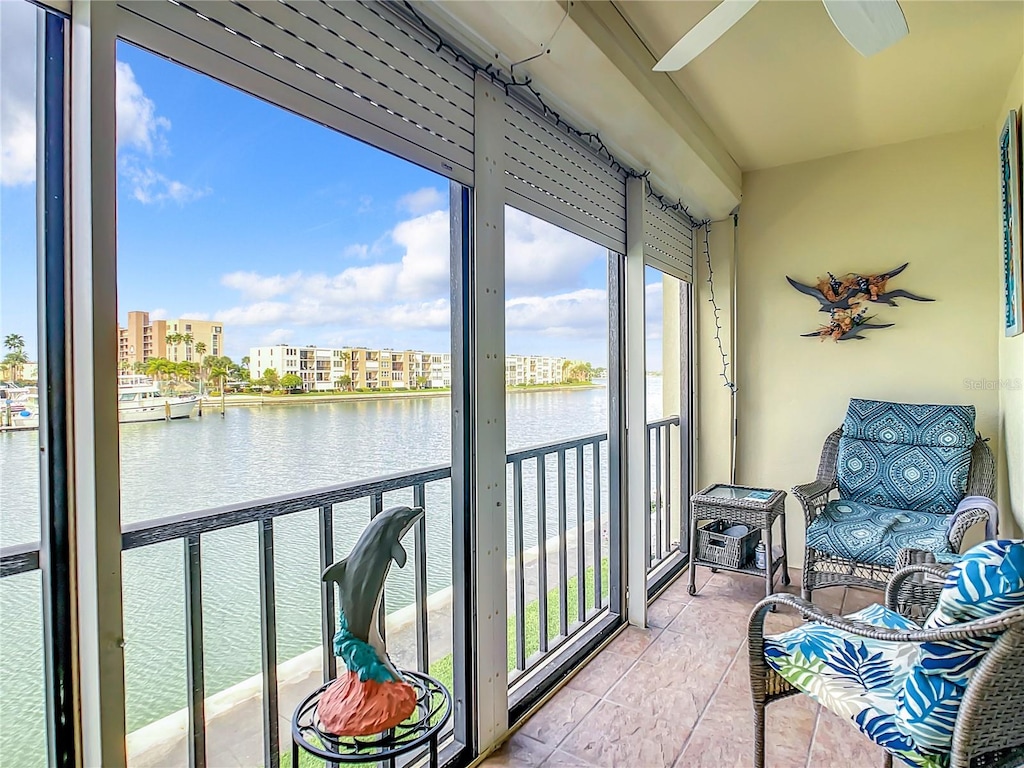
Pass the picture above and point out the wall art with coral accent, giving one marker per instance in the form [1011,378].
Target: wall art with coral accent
[848,299]
[1010,173]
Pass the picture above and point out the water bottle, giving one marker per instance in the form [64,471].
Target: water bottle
[759,557]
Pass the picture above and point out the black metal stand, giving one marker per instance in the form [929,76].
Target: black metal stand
[422,727]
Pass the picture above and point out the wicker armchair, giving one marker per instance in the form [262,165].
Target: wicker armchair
[989,719]
[827,569]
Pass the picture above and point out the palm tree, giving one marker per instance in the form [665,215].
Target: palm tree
[173,340]
[186,339]
[16,357]
[158,367]
[218,373]
[200,350]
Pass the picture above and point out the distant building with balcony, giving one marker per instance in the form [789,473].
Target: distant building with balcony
[322,368]
[145,339]
[522,370]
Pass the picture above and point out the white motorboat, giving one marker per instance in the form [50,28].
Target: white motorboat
[19,407]
[140,399]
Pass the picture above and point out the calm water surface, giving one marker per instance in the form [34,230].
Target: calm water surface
[167,469]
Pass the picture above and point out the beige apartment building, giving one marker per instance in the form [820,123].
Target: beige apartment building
[321,368]
[523,370]
[145,339]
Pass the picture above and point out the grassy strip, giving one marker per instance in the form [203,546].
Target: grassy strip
[444,668]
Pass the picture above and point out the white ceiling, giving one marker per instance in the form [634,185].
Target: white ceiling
[782,86]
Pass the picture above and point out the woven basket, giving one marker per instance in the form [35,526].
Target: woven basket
[714,546]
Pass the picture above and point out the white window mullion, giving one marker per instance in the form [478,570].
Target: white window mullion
[95,518]
[638,513]
[486,357]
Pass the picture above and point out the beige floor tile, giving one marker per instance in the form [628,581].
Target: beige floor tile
[632,642]
[837,741]
[856,599]
[649,689]
[601,673]
[560,759]
[662,611]
[559,716]
[613,735]
[520,751]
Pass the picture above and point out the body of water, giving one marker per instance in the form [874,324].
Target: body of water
[183,466]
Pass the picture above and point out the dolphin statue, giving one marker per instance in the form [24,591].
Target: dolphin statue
[360,579]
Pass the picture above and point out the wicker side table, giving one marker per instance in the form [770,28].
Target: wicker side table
[740,505]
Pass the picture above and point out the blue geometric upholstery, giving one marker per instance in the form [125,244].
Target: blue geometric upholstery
[904,696]
[905,456]
[869,534]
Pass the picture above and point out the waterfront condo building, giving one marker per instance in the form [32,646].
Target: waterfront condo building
[324,369]
[522,370]
[145,339]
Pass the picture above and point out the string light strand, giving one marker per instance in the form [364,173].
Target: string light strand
[706,226]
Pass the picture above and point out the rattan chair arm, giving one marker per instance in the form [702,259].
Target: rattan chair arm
[892,589]
[812,497]
[964,522]
[976,628]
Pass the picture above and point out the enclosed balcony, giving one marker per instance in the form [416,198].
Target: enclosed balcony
[591,249]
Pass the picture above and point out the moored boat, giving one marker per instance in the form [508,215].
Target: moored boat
[140,399]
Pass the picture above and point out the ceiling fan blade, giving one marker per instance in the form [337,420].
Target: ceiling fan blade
[703,34]
[869,26]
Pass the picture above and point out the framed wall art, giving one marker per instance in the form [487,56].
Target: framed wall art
[1010,209]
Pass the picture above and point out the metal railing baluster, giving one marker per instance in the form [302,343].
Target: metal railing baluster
[647,499]
[581,541]
[542,552]
[595,457]
[194,652]
[419,499]
[520,585]
[668,487]
[659,549]
[327,629]
[268,644]
[563,554]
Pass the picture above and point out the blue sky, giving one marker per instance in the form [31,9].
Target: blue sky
[286,231]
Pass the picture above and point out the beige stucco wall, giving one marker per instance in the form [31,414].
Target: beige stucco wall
[1011,372]
[712,407]
[932,203]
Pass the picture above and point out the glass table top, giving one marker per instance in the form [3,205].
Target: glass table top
[725,491]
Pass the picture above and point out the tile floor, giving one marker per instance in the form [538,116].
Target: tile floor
[678,694]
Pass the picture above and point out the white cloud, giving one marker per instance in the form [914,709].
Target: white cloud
[158,314]
[356,251]
[278,336]
[421,201]
[540,255]
[255,286]
[583,312]
[365,303]
[138,125]
[17,93]
[150,186]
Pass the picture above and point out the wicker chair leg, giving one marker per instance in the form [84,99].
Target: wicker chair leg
[759,736]
[888,761]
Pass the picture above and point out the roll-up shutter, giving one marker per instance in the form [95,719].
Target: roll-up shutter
[553,176]
[668,240]
[354,66]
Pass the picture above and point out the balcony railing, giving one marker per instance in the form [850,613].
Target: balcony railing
[582,561]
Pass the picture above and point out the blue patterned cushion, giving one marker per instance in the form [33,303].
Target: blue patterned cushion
[988,580]
[871,534]
[855,677]
[905,456]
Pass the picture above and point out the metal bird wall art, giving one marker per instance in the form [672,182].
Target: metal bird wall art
[846,299]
